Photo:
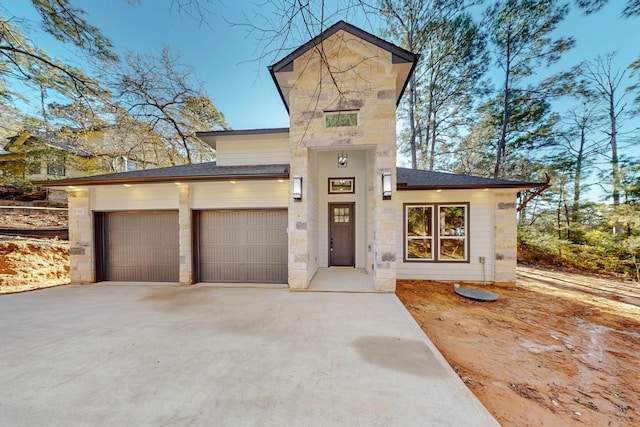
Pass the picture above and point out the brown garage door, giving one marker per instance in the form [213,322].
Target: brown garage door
[141,246]
[245,246]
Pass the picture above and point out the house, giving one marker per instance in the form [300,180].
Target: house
[28,156]
[280,205]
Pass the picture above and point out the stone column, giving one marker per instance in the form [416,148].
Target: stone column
[81,250]
[385,217]
[506,239]
[185,236]
[298,221]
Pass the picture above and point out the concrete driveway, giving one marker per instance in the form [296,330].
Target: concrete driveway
[156,355]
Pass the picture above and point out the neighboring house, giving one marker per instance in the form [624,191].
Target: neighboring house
[41,157]
[281,204]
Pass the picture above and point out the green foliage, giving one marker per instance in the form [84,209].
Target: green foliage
[596,247]
[67,24]
[520,32]
[531,127]
[448,77]
[631,8]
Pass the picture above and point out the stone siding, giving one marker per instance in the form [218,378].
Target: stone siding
[361,80]
[506,238]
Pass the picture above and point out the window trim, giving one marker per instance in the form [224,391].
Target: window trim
[436,238]
[339,112]
[56,164]
[432,238]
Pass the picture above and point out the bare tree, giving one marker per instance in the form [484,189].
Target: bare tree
[160,92]
[600,77]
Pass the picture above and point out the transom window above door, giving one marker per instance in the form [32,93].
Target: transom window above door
[336,119]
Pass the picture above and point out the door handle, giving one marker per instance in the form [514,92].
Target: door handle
[331,244]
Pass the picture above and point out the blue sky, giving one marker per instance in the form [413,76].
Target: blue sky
[226,57]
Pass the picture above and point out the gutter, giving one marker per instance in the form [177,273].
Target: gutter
[163,179]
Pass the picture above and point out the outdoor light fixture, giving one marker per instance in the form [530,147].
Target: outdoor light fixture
[297,188]
[343,158]
[386,185]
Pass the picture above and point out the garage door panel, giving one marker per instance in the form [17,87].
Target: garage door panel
[266,273]
[243,246]
[142,246]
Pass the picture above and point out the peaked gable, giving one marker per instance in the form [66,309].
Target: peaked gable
[402,60]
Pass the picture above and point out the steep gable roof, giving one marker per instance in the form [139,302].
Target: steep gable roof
[398,55]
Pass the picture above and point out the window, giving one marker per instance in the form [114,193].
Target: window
[452,236]
[340,119]
[440,237]
[341,215]
[32,165]
[419,233]
[55,166]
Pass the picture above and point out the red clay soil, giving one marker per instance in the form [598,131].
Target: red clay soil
[559,349]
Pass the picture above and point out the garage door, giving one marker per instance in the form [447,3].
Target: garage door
[245,246]
[141,246]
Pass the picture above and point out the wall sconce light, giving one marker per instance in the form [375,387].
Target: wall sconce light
[343,159]
[386,185]
[297,188]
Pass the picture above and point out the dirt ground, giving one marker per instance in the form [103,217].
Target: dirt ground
[28,263]
[559,349]
[35,219]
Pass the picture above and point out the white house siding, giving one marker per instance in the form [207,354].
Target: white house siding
[267,151]
[136,197]
[242,194]
[480,235]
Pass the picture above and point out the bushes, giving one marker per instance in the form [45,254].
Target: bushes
[601,252]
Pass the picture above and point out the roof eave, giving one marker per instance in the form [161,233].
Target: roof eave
[275,81]
[163,179]
[514,186]
[406,82]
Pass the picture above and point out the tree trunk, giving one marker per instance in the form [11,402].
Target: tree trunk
[614,152]
[431,129]
[412,123]
[433,143]
[505,115]
[578,175]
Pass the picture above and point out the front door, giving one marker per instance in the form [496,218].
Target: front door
[341,234]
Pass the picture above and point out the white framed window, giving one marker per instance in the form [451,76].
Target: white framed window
[436,232]
[334,119]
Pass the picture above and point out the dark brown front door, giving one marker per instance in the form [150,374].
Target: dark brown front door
[341,234]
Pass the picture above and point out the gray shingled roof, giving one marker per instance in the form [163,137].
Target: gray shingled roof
[416,179]
[195,172]
[407,179]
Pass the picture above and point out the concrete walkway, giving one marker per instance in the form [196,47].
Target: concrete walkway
[156,355]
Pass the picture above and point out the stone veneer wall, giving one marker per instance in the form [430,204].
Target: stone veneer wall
[506,238]
[81,237]
[185,235]
[363,73]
